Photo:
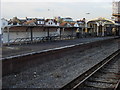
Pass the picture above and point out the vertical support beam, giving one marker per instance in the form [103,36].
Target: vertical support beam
[31,31]
[80,28]
[103,32]
[118,30]
[82,31]
[72,32]
[44,35]
[8,35]
[94,28]
[92,34]
[48,34]
[27,36]
[44,31]
[60,33]
[63,32]
[97,30]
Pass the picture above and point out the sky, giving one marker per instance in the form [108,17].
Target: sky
[76,9]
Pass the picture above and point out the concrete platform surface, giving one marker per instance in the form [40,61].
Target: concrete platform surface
[13,50]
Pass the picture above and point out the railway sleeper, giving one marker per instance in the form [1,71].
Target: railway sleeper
[99,85]
[104,81]
[91,88]
[106,78]
[112,72]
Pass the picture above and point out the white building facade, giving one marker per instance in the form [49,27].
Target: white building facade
[4,23]
[116,10]
[51,22]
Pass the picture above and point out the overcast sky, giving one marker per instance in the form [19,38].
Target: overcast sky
[76,9]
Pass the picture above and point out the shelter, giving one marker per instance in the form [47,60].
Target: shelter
[101,27]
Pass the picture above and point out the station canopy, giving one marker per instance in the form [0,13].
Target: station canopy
[102,19]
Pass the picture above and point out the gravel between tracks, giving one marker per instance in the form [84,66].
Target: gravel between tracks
[59,72]
[106,78]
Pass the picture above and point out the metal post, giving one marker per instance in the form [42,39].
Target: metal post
[48,34]
[72,33]
[102,30]
[31,33]
[27,36]
[94,30]
[97,28]
[97,31]
[82,31]
[60,33]
[63,33]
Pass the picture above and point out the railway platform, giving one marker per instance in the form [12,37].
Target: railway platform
[14,50]
[56,72]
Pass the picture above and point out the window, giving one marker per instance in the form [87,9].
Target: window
[3,24]
[38,22]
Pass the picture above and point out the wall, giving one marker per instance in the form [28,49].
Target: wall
[22,32]
[69,31]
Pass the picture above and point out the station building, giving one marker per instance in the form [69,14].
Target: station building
[101,27]
[116,15]
[36,29]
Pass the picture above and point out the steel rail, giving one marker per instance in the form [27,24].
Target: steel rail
[117,87]
[82,78]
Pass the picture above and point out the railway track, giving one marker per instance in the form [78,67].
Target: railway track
[104,75]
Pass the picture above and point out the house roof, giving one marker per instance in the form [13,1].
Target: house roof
[63,24]
[51,20]
[29,22]
[67,24]
[39,19]
[72,24]
[4,19]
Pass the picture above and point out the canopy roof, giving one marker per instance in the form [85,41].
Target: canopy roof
[101,19]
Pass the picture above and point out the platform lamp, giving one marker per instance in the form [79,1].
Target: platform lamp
[86,27]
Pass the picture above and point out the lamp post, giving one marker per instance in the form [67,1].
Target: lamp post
[86,27]
[48,12]
[52,12]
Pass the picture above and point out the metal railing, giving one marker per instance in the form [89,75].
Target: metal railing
[33,40]
[39,39]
